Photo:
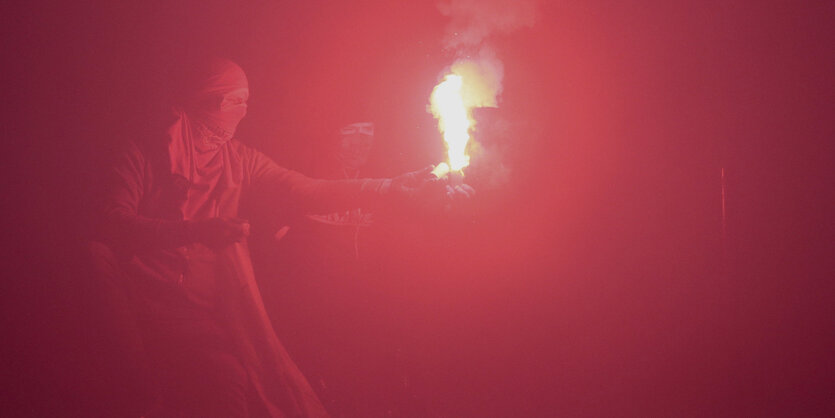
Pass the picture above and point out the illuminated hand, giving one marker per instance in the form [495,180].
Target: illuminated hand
[423,190]
[411,185]
[459,193]
[218,232]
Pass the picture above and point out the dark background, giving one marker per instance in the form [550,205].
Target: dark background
[593,280]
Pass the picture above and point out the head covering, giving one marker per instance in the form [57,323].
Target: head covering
[355,142]
[213,103]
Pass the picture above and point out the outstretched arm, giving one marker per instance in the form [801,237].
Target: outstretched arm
[309,195]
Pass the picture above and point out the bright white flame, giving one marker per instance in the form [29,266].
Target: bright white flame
[454,120]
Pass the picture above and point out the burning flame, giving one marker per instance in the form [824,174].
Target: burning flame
[454,121]
[469,84]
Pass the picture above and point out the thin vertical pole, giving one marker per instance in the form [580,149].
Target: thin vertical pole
[723,185]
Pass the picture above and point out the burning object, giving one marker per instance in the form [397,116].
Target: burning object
[468,85]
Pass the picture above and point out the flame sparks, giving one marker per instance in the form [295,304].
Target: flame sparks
[470,83]
[454,121]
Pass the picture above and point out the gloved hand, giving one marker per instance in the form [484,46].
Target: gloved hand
[218,232]
[460,192]
[408,185]
[422,190]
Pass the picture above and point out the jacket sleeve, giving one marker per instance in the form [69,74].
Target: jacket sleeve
[310,195]
[122,223]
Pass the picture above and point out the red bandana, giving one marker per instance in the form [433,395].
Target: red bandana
[199,147]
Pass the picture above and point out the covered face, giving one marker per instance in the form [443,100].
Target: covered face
[213,102]
[216,102]
[355,142]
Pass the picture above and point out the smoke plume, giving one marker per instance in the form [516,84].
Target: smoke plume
[474,21]
[471,27]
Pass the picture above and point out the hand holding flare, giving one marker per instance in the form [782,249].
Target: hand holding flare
[454,121]
[449,104]
[455,188]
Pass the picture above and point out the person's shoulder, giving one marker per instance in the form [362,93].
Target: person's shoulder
[245,151]
[149,150]
[123,155]
[151,140]
[142,149]
[239,146]
[129,148]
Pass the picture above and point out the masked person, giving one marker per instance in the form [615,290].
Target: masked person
[349,156]
[174,240]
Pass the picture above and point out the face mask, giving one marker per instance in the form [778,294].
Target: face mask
[355,143]
[217,102]
[218,118]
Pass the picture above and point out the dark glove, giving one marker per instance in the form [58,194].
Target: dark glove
[424,191]
[459,193]
[218,232]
